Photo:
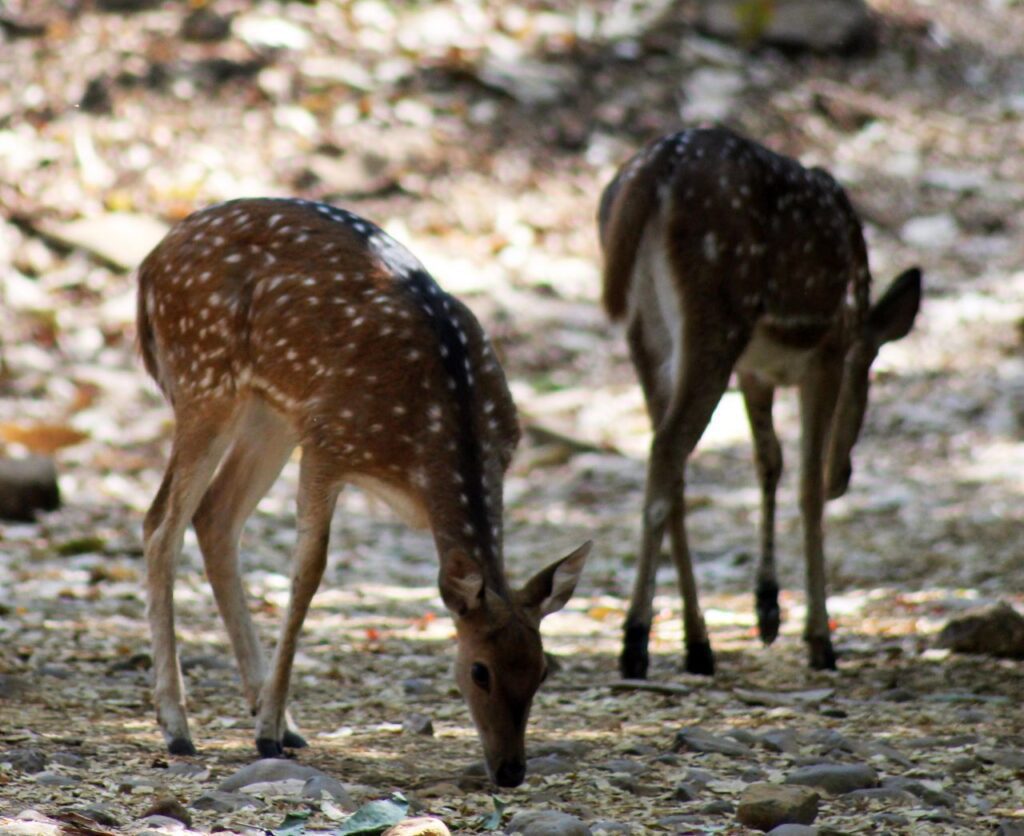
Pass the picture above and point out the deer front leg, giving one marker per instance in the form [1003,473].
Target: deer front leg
[193,459]
[758,397]
[818,394]
[317,497]
[254,462]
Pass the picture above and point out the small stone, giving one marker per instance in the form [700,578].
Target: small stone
[101,814]
[419,826]
[1009,758]
[698,740]
[719,807]
[68,759]
[418,724]
[684,792]
[320,785]
[793,830]
[169,808]
[268,771]
[780,740]
[564,748]
[899,695]
[963,764]
[12,687]
[764,806]
[550,765]
[625,766]
[818,25]
[546,823]
[160,823]
[1010,827]
[891,819]
[204,25]
[53,779]
[612,828]
[416,686]
[835,778]
[626,783]
[189,770]
[893,795]
[25,760]
[997,630]
[225,802]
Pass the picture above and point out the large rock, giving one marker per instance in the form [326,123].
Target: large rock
[818,25]
[996,630]
[835,778]
[765,806]
[546,823]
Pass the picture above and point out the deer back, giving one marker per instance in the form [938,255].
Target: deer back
[339,328]
[752,232]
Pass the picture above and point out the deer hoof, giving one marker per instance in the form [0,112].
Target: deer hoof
[269,748]
[769,616]
[699,658]
[293,740]
[181,746]
[635,659]
[822,656]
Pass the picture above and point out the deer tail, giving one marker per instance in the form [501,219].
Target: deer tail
[627,204]
[145,335]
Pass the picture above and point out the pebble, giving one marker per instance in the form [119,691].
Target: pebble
[764,806]
[320,785]
[996,630]
[780,740]
[101,814]
[419,826]
[625,766]
[418,724]
[266,771]
[550,765]
[25,760]
[698,740]
[54,779]
[684,792]
[169,808]
[546,823]
[793,830]
[225,802]
[718,807]
[835,778]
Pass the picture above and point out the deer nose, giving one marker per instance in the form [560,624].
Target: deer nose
[510,774]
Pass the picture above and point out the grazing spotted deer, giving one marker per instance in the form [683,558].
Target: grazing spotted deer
[721,255]
[270,324]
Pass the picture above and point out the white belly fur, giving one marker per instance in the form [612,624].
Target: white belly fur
[777,364]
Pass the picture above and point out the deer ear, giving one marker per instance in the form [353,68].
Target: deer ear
[461,582]
[550,589]
[893,315]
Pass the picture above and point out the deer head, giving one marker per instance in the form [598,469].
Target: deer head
[500,662]
[889,319]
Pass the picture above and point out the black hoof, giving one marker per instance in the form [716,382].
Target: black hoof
[766,600]
[269,748]
[699,658]
[822,656]
[293,740]
[181,746]
[635,659]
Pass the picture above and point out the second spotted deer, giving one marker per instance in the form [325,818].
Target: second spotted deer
[722,256]
[270,324]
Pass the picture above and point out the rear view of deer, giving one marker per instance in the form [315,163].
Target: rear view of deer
[722,256]
[271,324]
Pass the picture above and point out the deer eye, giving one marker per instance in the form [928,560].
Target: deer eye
[481,676]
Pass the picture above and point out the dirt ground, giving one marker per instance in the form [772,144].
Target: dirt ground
[480,134]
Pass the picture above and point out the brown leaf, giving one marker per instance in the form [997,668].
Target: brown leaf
[41,438]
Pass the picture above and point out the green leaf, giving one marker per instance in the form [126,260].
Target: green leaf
[375,817]
[294,824]
[493,821]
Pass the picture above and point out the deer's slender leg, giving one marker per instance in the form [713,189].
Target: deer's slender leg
[758,397]
[818,395]
[702,378]
[198,447]
[255,460]
[318,493]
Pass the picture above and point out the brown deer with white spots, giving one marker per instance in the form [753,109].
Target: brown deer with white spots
[722,256]
[274,324]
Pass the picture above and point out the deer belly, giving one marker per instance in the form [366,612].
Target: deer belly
[774,362]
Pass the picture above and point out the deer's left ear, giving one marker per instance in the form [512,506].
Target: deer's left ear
[893,315]
[550,589]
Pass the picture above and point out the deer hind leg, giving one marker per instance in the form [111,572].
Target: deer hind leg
[254,462]
[701,381]
[196,450]
[758,397]
[818,394]
[318,493]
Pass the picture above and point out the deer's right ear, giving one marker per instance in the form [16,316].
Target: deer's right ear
[893,315]
[461,582]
